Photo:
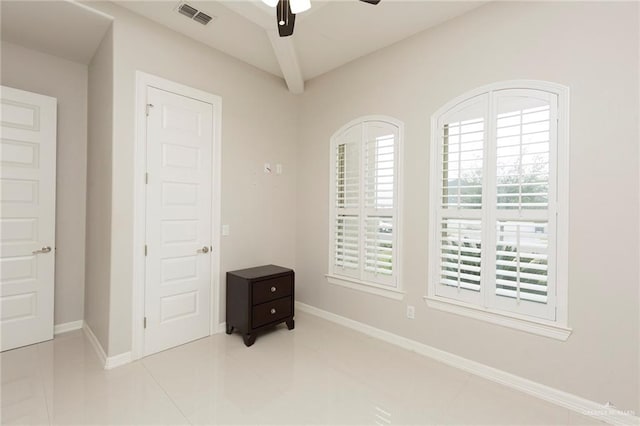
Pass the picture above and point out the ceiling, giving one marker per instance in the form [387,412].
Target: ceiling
[65,29]
[329,35]
[332,33]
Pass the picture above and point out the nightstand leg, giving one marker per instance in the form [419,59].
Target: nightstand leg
[249,339]
[291,324]
[229,329]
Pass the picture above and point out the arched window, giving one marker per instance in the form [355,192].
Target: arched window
[363,253]
[498,199]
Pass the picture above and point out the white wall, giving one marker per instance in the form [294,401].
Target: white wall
[99,176]
[37,72]
[259,121]
[590,47]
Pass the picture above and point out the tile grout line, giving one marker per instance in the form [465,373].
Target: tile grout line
[44,387]
[165,392]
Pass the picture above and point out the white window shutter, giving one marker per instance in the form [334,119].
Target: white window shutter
[462,134]
[524,208]
[379,158]
[496,197]
[346,229]
[365,190]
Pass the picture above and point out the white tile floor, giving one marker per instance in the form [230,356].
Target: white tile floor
[320,373]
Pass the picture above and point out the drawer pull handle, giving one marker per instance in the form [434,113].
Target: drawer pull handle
[273,289]
[273,311]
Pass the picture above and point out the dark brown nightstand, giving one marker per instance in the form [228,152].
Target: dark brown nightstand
[258,298]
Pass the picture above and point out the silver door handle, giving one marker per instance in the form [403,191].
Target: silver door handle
[204,249]
[46,249]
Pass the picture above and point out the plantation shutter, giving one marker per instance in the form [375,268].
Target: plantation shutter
[346,228]
[461,138]
[379,182]
[524,209]
[494,193]
[364,229]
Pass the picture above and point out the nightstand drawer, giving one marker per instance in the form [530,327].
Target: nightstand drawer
[275,310]
[271,289]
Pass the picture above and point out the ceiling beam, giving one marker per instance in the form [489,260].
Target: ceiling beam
[285,51]
[283,47]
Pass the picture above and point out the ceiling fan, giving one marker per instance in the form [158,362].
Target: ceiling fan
[286,11]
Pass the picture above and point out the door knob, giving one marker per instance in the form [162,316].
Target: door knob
[204,249]
[46,249]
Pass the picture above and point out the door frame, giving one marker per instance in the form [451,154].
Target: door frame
[143,81]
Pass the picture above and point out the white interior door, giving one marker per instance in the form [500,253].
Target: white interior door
[27,216]
[178,220]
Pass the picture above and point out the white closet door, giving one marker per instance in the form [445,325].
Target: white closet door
[27,216]
[179,217]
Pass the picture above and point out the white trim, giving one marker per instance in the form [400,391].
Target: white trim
[117,360]
[367,287]
[67,326]
[484,310]
[143,80]
[95,343]
[564,399]
[507,319]
[107,362]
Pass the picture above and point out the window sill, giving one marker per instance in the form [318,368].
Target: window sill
[355,284]
[530,325]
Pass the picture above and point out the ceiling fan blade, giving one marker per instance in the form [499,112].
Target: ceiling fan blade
[286,19]
[371,1]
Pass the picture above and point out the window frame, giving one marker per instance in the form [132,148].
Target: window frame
[359,282]
[483,307]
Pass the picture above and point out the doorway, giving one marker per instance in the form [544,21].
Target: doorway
[27,219]
[177,215]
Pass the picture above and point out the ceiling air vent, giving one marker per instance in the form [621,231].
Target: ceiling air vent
[193,13]
[203,18]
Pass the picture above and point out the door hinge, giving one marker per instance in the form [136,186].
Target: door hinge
[145,250]
[145,322]
[146,178]
[148,108]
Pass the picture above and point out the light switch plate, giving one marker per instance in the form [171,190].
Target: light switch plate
[225,230]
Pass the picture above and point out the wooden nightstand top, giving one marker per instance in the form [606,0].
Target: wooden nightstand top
[265,271]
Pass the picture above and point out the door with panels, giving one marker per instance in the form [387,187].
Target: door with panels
[178,220]
[27,216]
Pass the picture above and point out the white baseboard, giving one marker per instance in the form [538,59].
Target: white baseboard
[107,362]
[102,356]
[222,328]
[578,404]
[117,360]
[67,326]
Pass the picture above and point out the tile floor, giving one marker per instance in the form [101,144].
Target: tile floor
[320,373]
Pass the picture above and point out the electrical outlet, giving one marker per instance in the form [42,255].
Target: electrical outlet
[411,311]
[278,169]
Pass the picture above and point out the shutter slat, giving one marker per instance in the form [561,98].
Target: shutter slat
[522,260]
[347,241]
[462,164]
[378,245]
[460,251]
[523,155]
